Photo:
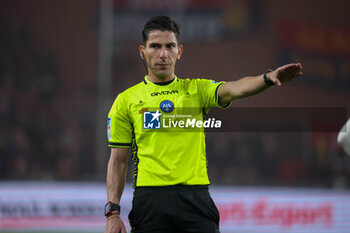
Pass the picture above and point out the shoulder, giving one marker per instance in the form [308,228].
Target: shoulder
[194,81]
[190,80]
[131,91]
[201,83]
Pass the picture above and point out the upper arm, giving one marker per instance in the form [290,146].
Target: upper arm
[225,93]
[247,86]
[119,128]
[209,93]
[119,154]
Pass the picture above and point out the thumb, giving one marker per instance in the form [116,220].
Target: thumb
[274,77]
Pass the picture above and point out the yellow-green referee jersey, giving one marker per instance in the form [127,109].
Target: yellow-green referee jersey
[159,123]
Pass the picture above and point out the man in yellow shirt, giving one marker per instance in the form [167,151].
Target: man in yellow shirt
[162,121]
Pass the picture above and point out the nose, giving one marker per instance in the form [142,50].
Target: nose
[163,53]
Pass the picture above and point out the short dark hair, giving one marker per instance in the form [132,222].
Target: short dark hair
[162,23]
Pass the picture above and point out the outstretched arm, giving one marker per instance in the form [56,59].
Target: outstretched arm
[252,85]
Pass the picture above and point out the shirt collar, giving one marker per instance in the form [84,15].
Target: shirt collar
[147,81]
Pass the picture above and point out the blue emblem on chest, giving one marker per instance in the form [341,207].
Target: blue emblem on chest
[166,106]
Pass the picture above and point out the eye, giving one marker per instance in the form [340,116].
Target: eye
[170,46]
[154,45]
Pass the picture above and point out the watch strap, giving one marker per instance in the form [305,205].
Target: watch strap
[266,80]
[110,207]
[114,206]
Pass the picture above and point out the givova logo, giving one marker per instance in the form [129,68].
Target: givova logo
[151,120]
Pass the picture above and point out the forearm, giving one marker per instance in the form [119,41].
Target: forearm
[116,175]
[247,86]
[253,85]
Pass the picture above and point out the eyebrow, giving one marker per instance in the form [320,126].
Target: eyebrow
[171,43]
[154,43]
[159,44]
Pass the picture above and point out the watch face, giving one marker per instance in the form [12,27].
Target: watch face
[107,208]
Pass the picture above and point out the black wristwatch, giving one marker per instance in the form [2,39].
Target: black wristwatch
[110,207]
[266,80]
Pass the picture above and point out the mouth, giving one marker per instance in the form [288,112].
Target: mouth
[162,66]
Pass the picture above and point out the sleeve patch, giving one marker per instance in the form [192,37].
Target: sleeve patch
[109,128]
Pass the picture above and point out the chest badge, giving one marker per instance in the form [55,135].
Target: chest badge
[167,106]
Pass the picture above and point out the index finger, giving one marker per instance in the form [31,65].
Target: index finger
[292,67]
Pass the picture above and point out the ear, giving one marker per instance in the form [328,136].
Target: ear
[142,51]
[180,49]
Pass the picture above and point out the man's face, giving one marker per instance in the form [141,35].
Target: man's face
[161,52]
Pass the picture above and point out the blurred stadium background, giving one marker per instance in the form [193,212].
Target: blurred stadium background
[62,63]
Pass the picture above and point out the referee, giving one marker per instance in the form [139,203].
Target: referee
[170,167]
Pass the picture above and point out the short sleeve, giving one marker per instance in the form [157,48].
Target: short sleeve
[119,126]
[208,90]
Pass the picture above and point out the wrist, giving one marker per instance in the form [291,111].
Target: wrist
[267,79]
[115,213]
[111,209]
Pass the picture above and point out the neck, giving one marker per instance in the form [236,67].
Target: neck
[158,78]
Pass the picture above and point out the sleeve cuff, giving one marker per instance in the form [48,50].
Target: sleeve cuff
[217,97]
[117,144]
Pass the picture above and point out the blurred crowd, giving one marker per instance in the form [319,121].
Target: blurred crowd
[44,130]
[283,159]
